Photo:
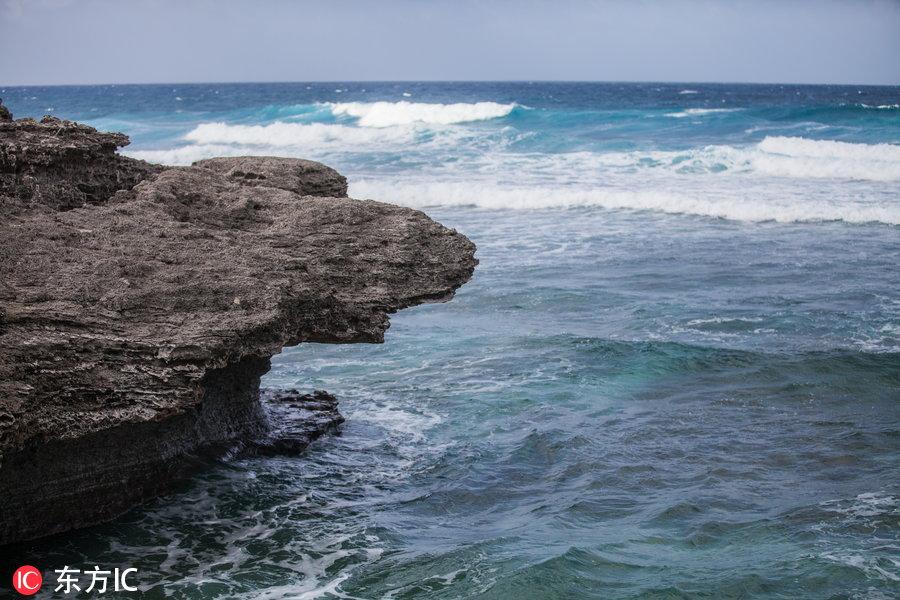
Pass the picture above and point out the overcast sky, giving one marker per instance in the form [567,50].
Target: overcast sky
[138,41]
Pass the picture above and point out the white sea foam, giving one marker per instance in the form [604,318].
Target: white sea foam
[457,165]
[880,106]
[185,155]
[867,564]
[782,157]
[717,203]
[696,112]
[386,114]
[869,511]
[686,92]
[398,421]
[796,146]
[789,157]
[294,134]
[801,157]
[283,139]
[869,504]
[722,320]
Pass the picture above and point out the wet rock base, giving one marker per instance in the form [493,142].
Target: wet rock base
[295,421]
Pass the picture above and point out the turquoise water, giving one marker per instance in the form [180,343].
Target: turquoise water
[675,373]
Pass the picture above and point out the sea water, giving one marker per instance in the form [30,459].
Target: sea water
[675,373]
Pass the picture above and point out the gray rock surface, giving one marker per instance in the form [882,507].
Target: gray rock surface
[305,177]
[140,305]
[59,165]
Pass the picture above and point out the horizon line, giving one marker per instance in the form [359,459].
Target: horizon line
[528,81]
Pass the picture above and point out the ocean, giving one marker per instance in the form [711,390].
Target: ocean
[675,373]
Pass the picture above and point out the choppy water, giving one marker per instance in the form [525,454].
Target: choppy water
[675,374]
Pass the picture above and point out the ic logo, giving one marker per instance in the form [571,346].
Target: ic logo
[27,580]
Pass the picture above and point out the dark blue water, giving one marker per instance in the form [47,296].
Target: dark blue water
[675,374]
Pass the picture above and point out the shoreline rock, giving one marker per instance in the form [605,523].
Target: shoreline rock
[140,305]
[295,421]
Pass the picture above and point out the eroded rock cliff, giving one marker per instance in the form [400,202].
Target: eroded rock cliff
[139,306]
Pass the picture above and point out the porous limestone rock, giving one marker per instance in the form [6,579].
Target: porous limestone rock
[305,177]
[59,165]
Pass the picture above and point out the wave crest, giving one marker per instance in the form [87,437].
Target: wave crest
[387,114]
[801,157]
[798,146]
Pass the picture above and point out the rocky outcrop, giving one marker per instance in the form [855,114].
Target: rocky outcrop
[139,307]
[55,165]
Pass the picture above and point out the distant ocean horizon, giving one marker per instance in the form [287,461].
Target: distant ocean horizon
[675,373]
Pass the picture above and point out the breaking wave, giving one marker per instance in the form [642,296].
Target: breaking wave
[796,146]
[717,205]
[293,134]
[793,157]
[185,155]
[386,114]
[801,157]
